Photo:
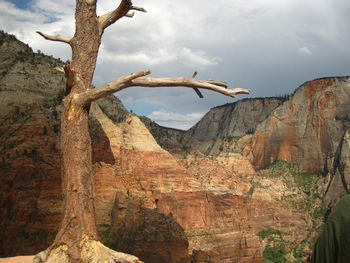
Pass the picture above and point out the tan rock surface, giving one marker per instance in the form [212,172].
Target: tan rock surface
[306,129]
[209,200]
[161,209]
[19,259]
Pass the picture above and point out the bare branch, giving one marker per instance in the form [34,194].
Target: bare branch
[130,14]
[59,69]
[123,10]
[195,89]
[68,74]
[138,79]
[185,82]
[218,83]
[136,8]
[55,38]
[198,93]
[91,95]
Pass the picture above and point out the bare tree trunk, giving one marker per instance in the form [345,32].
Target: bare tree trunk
[79,214]
[76,240]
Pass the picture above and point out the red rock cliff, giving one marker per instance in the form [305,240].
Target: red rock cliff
[162,209]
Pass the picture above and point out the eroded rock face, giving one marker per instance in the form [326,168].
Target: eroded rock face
[337,181]
[221,124]
[228,121]
[191,209]
[30,187]
[309,129]
[306,129]
[198,208]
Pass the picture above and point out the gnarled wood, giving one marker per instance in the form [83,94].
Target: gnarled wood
[55,38]
[136,79]
[78,228]
[123,10]
[89,249]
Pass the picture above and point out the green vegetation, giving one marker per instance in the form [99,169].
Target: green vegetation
[186,148]
[275,250]
[249,194]
[275,254]
[302,182]
[303,197]
[269,233]
[4,165]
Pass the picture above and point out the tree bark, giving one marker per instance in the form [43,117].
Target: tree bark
[76,240]
[79,212]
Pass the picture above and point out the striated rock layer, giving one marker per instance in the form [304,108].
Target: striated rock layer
[194,208]
[306,129]
[309,129]
[228,122]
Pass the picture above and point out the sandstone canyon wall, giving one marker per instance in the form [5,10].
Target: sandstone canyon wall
[308,128]
[187,207]
[228,121]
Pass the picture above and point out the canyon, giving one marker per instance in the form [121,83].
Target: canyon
[252,179]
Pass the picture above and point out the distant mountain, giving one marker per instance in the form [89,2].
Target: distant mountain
[309,128]
[174,206]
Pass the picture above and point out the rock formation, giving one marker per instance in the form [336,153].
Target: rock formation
[221,124]
[306,129]
[161,208]
[309,128]
[227,122]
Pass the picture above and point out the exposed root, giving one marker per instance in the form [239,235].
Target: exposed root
[92,251]
[53,255]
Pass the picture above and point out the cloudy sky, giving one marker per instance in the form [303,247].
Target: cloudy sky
[268,46]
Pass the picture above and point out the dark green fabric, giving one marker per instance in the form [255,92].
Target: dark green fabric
[333,245]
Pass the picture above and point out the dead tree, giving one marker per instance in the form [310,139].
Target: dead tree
[77,239]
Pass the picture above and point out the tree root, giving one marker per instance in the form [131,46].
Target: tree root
[92,251]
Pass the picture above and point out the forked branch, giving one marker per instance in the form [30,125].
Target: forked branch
[123,10]
[91,95]
[55,38]
[139,79]
[195,89]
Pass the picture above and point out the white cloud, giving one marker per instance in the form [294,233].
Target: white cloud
[160,55]
[248,43]
[176,120]
[197,58]
[45,16]
[148,58]
[10,12]
[304,50]
[55,7]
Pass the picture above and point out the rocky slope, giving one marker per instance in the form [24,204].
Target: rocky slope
[30,95]
[195,208]
[221,124]
[192,208]
[309,128]
[227,122]
[168,138]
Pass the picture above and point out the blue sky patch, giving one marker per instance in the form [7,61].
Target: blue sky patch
[21,4]
[140,108]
